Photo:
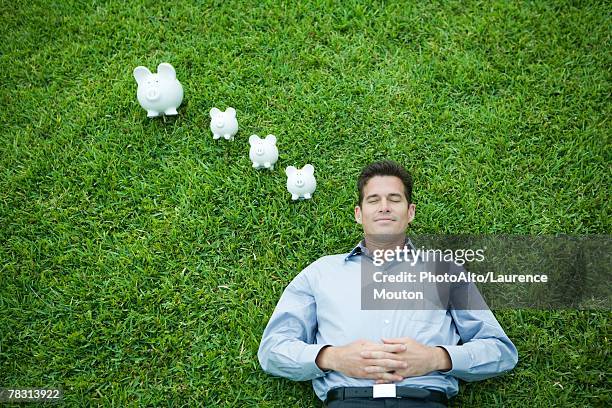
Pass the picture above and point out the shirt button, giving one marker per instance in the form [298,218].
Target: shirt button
[386,321]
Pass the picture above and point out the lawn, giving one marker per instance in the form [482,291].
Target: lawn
[140,259]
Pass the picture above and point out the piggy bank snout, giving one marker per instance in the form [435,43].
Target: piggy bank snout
[299,182]
[259,150]
[152,93]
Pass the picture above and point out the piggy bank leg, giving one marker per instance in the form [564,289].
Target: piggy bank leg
[216,136]
[294,196]
[227,137]
[171,111]
[256,165]
[152,113]
[307,196]
[267,165]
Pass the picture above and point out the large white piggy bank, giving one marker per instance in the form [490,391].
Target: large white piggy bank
[223,123]
[301,183]
[264,152]
[158,93]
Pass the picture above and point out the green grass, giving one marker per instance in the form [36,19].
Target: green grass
[140,260]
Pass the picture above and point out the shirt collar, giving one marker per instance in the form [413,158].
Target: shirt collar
[361,249]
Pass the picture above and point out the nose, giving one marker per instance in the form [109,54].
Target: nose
[384,206]
[153,94]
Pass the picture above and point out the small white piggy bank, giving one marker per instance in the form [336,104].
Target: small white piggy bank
[223,123]
[264,152]
[301,183]
[158,93]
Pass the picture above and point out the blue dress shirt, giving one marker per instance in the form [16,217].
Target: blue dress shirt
[322,306]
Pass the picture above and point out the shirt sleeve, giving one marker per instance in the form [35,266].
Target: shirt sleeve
[287,347]
[485,351]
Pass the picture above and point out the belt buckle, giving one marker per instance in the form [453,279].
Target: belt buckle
[384,391]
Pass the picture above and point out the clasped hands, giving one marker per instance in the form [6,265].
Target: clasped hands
[389,361]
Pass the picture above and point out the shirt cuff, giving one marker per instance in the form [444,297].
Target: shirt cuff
[310,355]
[461,360]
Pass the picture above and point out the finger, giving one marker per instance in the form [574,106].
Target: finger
[394,348]
[386,377]
[376,369]
[380,355]
[389,377]
[384,366]
[389,348]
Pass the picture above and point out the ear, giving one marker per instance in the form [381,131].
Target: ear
[253,139]
[141,73]
[411,212]
[231,111]
[166,71]
[271,139]
[358,214]
[214,112]
[290,170]
[308,169]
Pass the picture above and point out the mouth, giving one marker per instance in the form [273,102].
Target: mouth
[384,219]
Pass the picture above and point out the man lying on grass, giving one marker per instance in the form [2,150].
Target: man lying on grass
[319,330]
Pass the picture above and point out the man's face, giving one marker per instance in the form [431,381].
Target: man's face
[384,210]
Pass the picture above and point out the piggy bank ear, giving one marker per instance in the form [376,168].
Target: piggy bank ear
[214,112]
[253,139]
[166,71]
[231,111]
[141,73]
[271,139]
[308,169]
[290,170]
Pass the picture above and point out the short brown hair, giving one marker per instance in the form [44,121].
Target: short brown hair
[385,168]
